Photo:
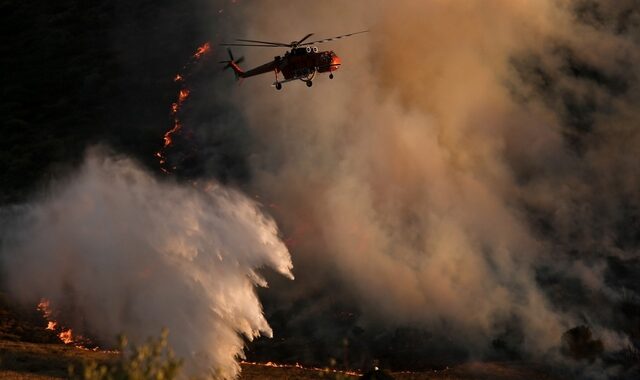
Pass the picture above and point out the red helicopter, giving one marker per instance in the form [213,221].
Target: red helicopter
[302,61]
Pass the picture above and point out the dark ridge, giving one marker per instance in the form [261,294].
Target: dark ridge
[79,73]
[58,73]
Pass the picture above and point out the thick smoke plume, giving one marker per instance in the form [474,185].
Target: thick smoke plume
[116,251]
[470,169]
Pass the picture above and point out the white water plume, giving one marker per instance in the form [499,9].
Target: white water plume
[117,251]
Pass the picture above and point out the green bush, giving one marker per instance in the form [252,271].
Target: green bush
[153,360]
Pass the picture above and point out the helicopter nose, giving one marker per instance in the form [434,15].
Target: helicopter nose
[335,63]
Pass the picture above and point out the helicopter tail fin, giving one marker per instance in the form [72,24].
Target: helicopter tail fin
[233,64]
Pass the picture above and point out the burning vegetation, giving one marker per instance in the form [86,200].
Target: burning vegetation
[176,107]
[66,335]
[324,370]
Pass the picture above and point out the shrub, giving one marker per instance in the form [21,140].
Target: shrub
[578,344]
[153,360]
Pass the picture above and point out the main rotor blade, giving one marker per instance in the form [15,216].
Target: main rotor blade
[297,43]
[332,38]
[264,42]
[271,46]
[230,54]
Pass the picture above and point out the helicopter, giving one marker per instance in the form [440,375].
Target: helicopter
[303,61]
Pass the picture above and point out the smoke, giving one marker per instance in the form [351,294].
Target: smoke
[117,251]
[400,175]
[469,171]
[466,187]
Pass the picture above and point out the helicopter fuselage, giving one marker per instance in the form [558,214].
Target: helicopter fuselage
[302,62]
[299,63]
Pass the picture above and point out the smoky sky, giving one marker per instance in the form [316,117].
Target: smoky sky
[469,172]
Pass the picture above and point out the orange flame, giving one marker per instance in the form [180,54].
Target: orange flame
[45,307]
[176,106]
[66,336]
[182,96]
[299,366]
[167,135]
[202,50]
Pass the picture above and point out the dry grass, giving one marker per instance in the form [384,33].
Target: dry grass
[255,372]
[471,371]
[24,360]
[36,361]
[29,352]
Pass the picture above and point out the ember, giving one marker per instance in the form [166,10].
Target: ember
[202,50]
[299,366]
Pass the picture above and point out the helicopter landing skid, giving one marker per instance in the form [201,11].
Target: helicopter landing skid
[307,79]
[278,84]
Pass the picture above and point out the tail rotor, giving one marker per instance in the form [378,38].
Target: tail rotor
[233,64]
